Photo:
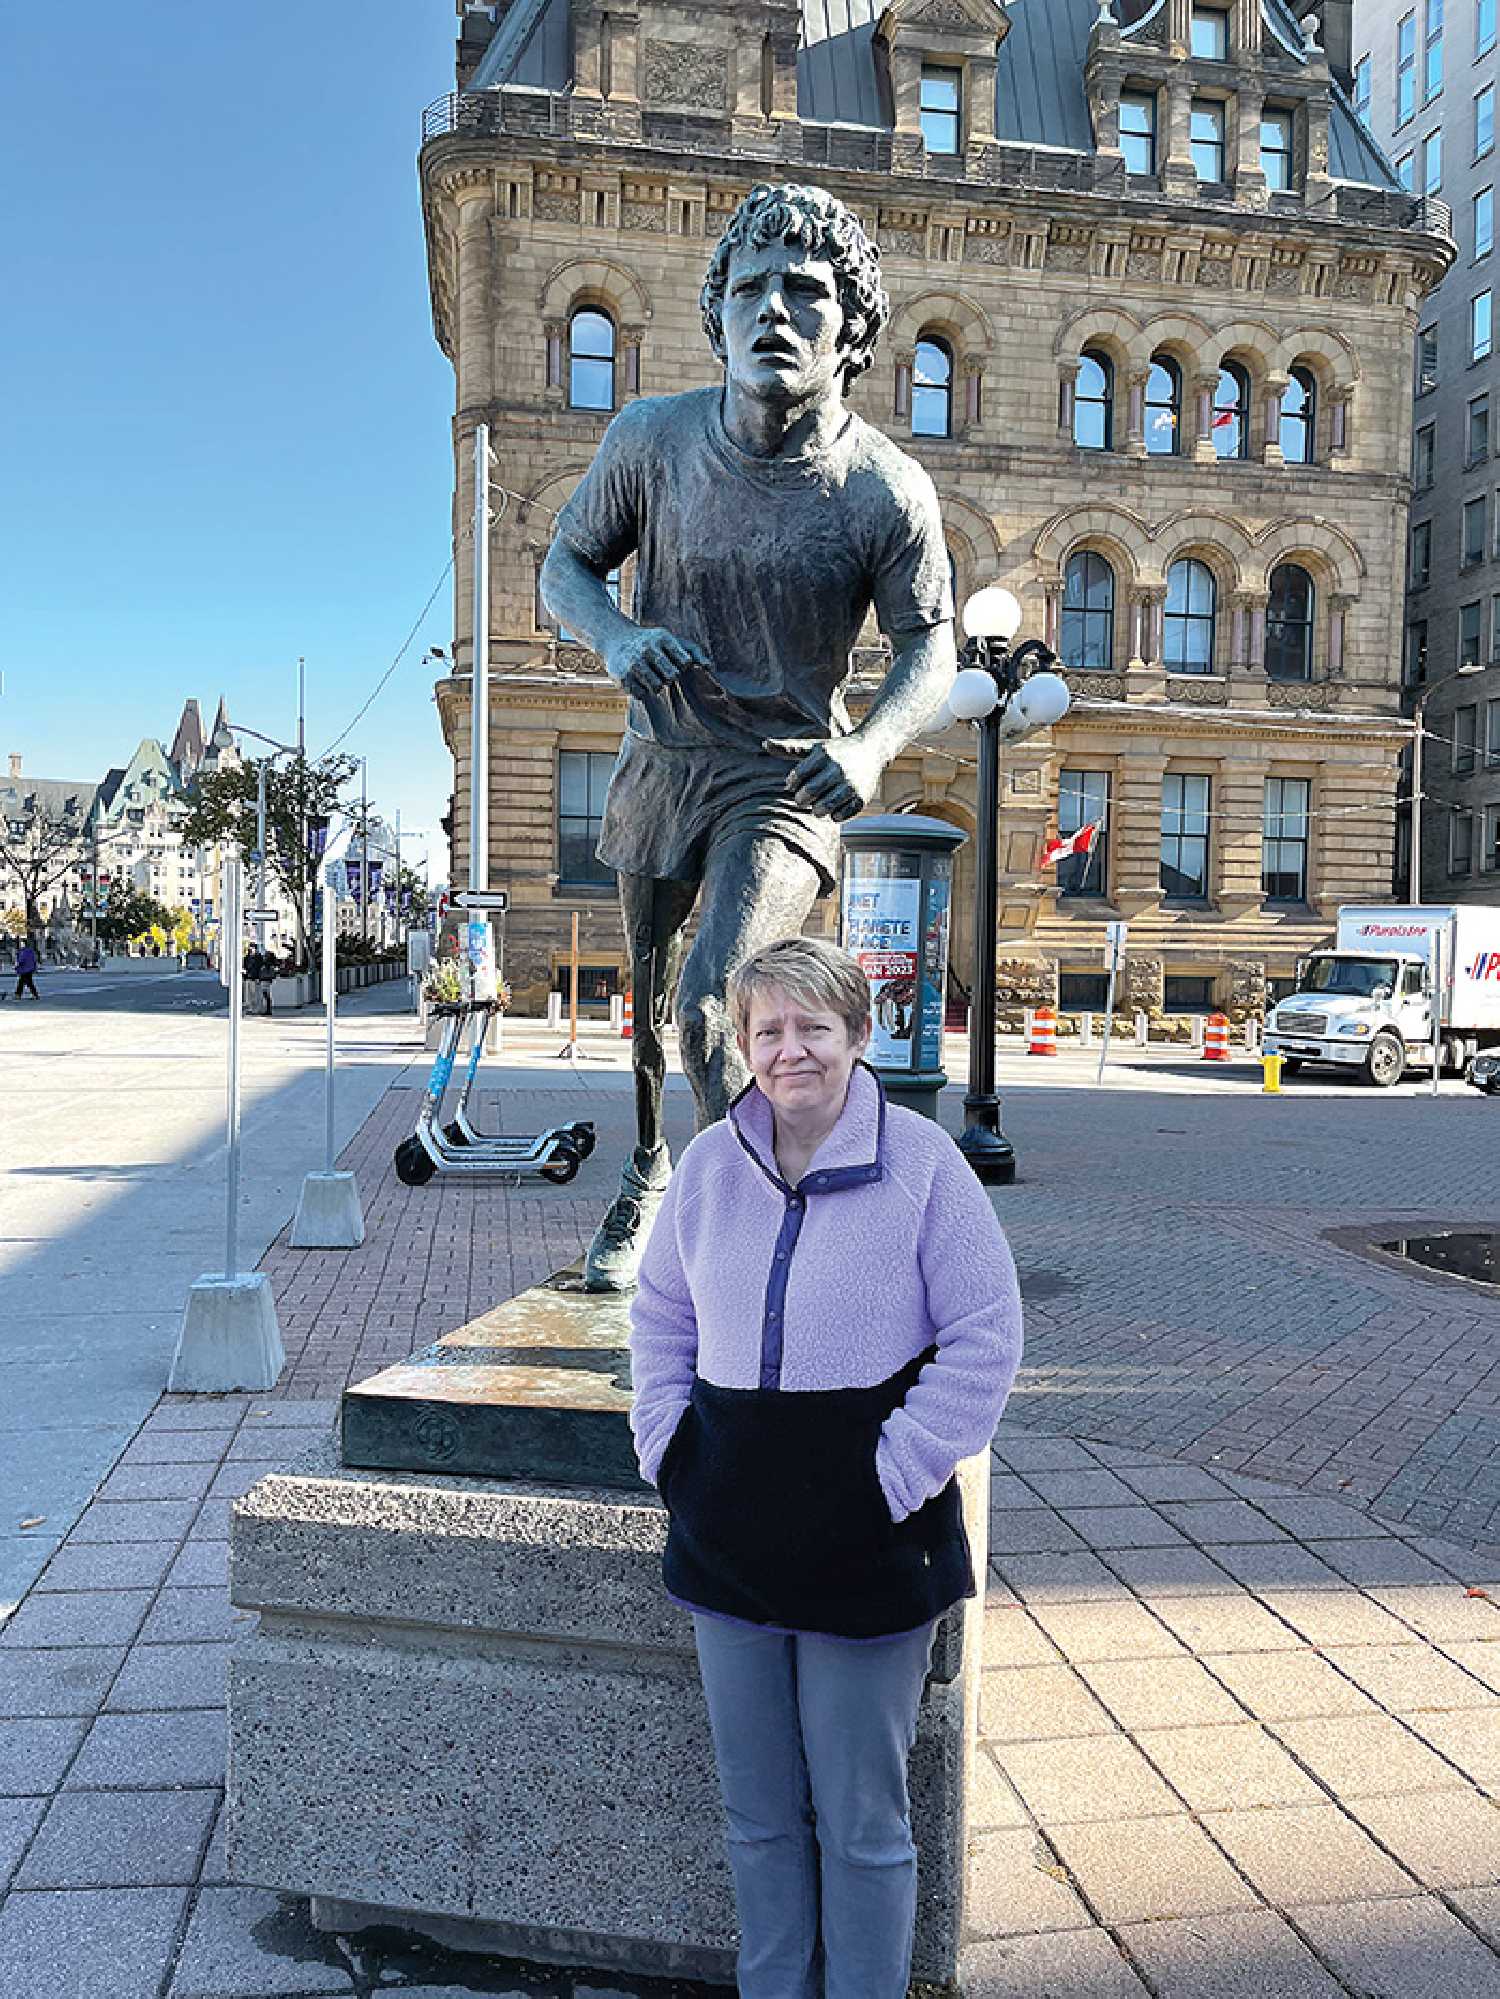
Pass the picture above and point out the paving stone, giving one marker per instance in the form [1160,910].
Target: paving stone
[1441,1612]
[1469,1737]
[1039,1579]
[1036,1531]
[994,1801]
[172,1676]
[1093,1487]
[34,1755]
[1482,1907]
[152,1752]
[192,1616]
[1150,1870]
[1306,1853]
[137,1481]
[1312,1518]
[1038,1704]
[1159,1693]
[1364,1755]
[1449,1839]
[1037,1454]
[1337,1617]
[1012,1636]
[19,1819]
[1184,1571]
[176,1447]
[120,1839]
[1225,1624]
[1285,1686]
[1212,1522]
[1238,1766]
[245,1944]
[1413,1948]
[1479,1656]
[201,1564]
[1102,1777]
[1006,1491]
[58,1680]
[1122,1527]
[96,1565]
[1278,1565]
[1385,1561]
[91,1617]
[1165,1481]
[1408,1679]
[1250,1954]
[1084,1631]
[1016,1887]
[109,1943]
[136,1520]
[1066,1964]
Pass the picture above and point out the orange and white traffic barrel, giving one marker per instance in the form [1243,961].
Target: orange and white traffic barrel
[627,1028]
[1216,1038]
[1043,1032]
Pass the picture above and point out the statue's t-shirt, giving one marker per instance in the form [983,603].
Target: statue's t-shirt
[769,565]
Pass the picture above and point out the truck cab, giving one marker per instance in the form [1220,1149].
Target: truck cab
[1356,1009]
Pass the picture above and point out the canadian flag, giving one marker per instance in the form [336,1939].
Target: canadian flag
[1081,842]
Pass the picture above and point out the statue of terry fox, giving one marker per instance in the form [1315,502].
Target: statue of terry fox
[766,519]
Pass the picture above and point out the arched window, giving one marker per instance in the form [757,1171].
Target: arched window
[591,360]
[1289,623]
[932,389]
[1088,613]
[1299,409]
[1164,408]
[1192,600]
[1094,402]
[1232,412]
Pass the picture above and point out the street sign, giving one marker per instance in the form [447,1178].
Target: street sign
[260,916]
[483,898]
[1115,935]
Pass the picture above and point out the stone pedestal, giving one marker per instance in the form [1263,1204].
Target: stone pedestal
[230,1337]
[329,1215]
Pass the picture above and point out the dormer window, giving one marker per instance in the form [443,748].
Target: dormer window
[1276,150]
[940,107]
[1210,34]
[1138,131]
[1207,139]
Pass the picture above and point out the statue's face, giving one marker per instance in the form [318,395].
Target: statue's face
[784,325]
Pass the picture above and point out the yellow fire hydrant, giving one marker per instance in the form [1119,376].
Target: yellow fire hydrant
[1271,1064]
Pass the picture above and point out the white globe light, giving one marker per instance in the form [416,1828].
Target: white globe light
[973,695]
[992,613]
[942,720]
[1012,725]
[1043,700]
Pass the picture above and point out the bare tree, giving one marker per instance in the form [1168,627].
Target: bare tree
[41,842]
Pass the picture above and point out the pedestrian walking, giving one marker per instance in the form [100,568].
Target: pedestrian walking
[257,997]
[802,1402]
[26,964]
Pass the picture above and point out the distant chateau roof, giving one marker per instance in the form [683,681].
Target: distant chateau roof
[1040,98]
[51,796]
[188,744]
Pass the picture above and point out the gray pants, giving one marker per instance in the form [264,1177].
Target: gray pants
[812,1736]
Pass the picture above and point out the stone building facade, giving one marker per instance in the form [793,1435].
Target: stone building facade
[1430,80]
[1155,292]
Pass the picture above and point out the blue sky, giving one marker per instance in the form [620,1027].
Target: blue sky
[225,421]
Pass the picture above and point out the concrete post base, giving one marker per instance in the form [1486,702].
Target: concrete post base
[230,1338]
[468,1708]
[329,1215]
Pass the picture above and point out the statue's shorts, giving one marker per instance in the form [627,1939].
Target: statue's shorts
[669,809]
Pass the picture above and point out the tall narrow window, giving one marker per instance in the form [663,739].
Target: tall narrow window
[1416,654]
[1164,407]
[1088,613]
[1406,172]
[582,780]
[1184,836]
[1210,34]
[1406,68]
[1283,867]
[1432,163]
[1481,325]
[1484,223]
[1299,414]
[1362,76]
[1489,858]
[1231,420]
[1473,533]
[932,389]
[767,77]
[591,361]
[1206,141]
[1276,150]
[1138,131]
[1432,79]
[1289,623]
[1484,121]
[1460,842]
[1422,458]
[1427,360]
[1492,717]
[1191,617]
[940,108]
[1083,800]
[1484,26]
[1093,402]
[1468,635]
[1421,555]
[1465,739]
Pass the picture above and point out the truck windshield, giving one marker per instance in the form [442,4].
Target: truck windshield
[1357,978]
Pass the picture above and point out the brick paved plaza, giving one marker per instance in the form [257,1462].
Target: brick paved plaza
[1241,1707]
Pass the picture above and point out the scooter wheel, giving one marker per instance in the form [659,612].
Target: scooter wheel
[585,1138]
[454,1133]
[414,1167]
[564,1167]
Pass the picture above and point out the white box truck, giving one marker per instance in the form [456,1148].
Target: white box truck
[1367,1002]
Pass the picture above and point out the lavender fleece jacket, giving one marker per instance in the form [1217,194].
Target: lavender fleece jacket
[894,1248]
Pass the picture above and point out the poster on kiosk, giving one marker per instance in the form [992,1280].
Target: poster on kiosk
[881,918]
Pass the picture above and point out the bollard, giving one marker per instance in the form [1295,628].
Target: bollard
[1142,1030]
[1271,1065]
[616,1012]
[1195,1031]
[1085,1030]
[554,1009]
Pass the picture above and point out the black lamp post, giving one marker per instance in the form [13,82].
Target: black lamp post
[1007,693]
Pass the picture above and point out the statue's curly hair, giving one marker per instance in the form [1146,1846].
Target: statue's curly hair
[820,224]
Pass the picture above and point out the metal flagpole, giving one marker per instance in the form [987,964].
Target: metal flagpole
[479,734]
[1437,1008]
[230,932]
[330,1001]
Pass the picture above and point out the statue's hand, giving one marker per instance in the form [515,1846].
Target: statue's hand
[649,659]
[838,778]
